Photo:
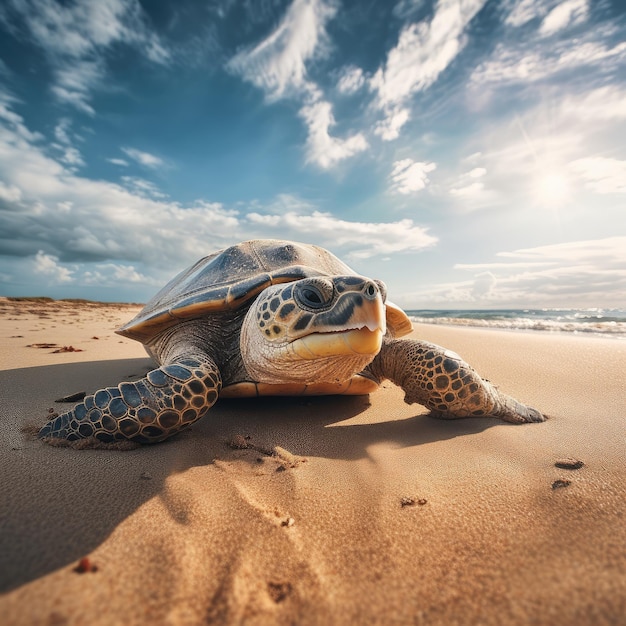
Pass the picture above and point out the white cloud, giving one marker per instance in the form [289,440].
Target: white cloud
[360,239]
[389,128]
[323,149]
[424,50]
[408,176]
[75,81]
[76,35]
[574,274]
[603,104]
[472,190]
[10,193]
[142,187]
[48,265]
[523,11]
[113,274]
[13,121]
[70,155]
[567,13]
[405,8]
[277,64]
[120,162]
[484,285]
[62,130]
[516,64]
[469,187]
[350,80]
[601,174]
[143,158]
[477,172]
[557,154]
[100,220]
[611,250]
[70,228]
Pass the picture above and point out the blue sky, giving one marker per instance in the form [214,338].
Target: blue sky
[470,153]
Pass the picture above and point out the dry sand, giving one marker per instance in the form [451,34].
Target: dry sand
[370,512]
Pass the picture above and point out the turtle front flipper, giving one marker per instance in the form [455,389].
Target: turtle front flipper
[440,380]
[166,401]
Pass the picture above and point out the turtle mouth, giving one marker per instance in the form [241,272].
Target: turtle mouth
[361,336]
[352,341]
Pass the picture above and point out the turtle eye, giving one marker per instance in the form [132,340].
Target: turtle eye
[311,297]
[382,288]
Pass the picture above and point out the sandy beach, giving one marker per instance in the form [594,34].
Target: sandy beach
[359,510]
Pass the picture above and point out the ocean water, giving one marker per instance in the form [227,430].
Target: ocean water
[589,322]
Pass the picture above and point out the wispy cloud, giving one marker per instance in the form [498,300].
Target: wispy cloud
[75,37]
[322,148]
[389,128]
[551,45]
[277,65]
[143,188]
[470,188]
[521,12]
[359,239]
[579,273]
[409,176]
[120,162]
[554,154]
[75,229]
[601,174]
[350,80]
[9,193]
[597,105]
[519,65]
[143,158]
[75,81]
[424,50]
[569,13]
[65,138]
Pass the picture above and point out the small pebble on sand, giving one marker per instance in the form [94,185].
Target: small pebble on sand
[85,565]
[559,484]
[568,463]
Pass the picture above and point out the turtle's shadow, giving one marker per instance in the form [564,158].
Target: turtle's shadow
[60,503]
[323,426]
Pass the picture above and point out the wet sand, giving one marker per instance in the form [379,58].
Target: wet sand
[315,510]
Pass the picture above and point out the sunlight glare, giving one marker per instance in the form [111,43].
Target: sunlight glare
[552,189]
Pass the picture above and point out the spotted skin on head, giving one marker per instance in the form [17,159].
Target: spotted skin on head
[321,329]
[166,401]
[276,312]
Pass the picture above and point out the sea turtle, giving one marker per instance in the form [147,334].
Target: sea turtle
[269,317]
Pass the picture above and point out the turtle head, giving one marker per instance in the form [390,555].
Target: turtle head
[323,329]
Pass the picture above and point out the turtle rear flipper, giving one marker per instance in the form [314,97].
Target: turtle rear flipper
[440,380]
[167,400]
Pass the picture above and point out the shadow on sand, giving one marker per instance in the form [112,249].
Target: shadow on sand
[58,504]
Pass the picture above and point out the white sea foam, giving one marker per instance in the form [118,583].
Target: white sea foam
[598,322]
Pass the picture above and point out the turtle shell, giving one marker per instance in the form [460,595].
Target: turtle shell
[231,278]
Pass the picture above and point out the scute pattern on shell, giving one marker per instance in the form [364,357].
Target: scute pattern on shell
[228,279]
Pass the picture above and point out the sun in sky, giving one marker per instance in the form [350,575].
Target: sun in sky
[426,142]
[552,189]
